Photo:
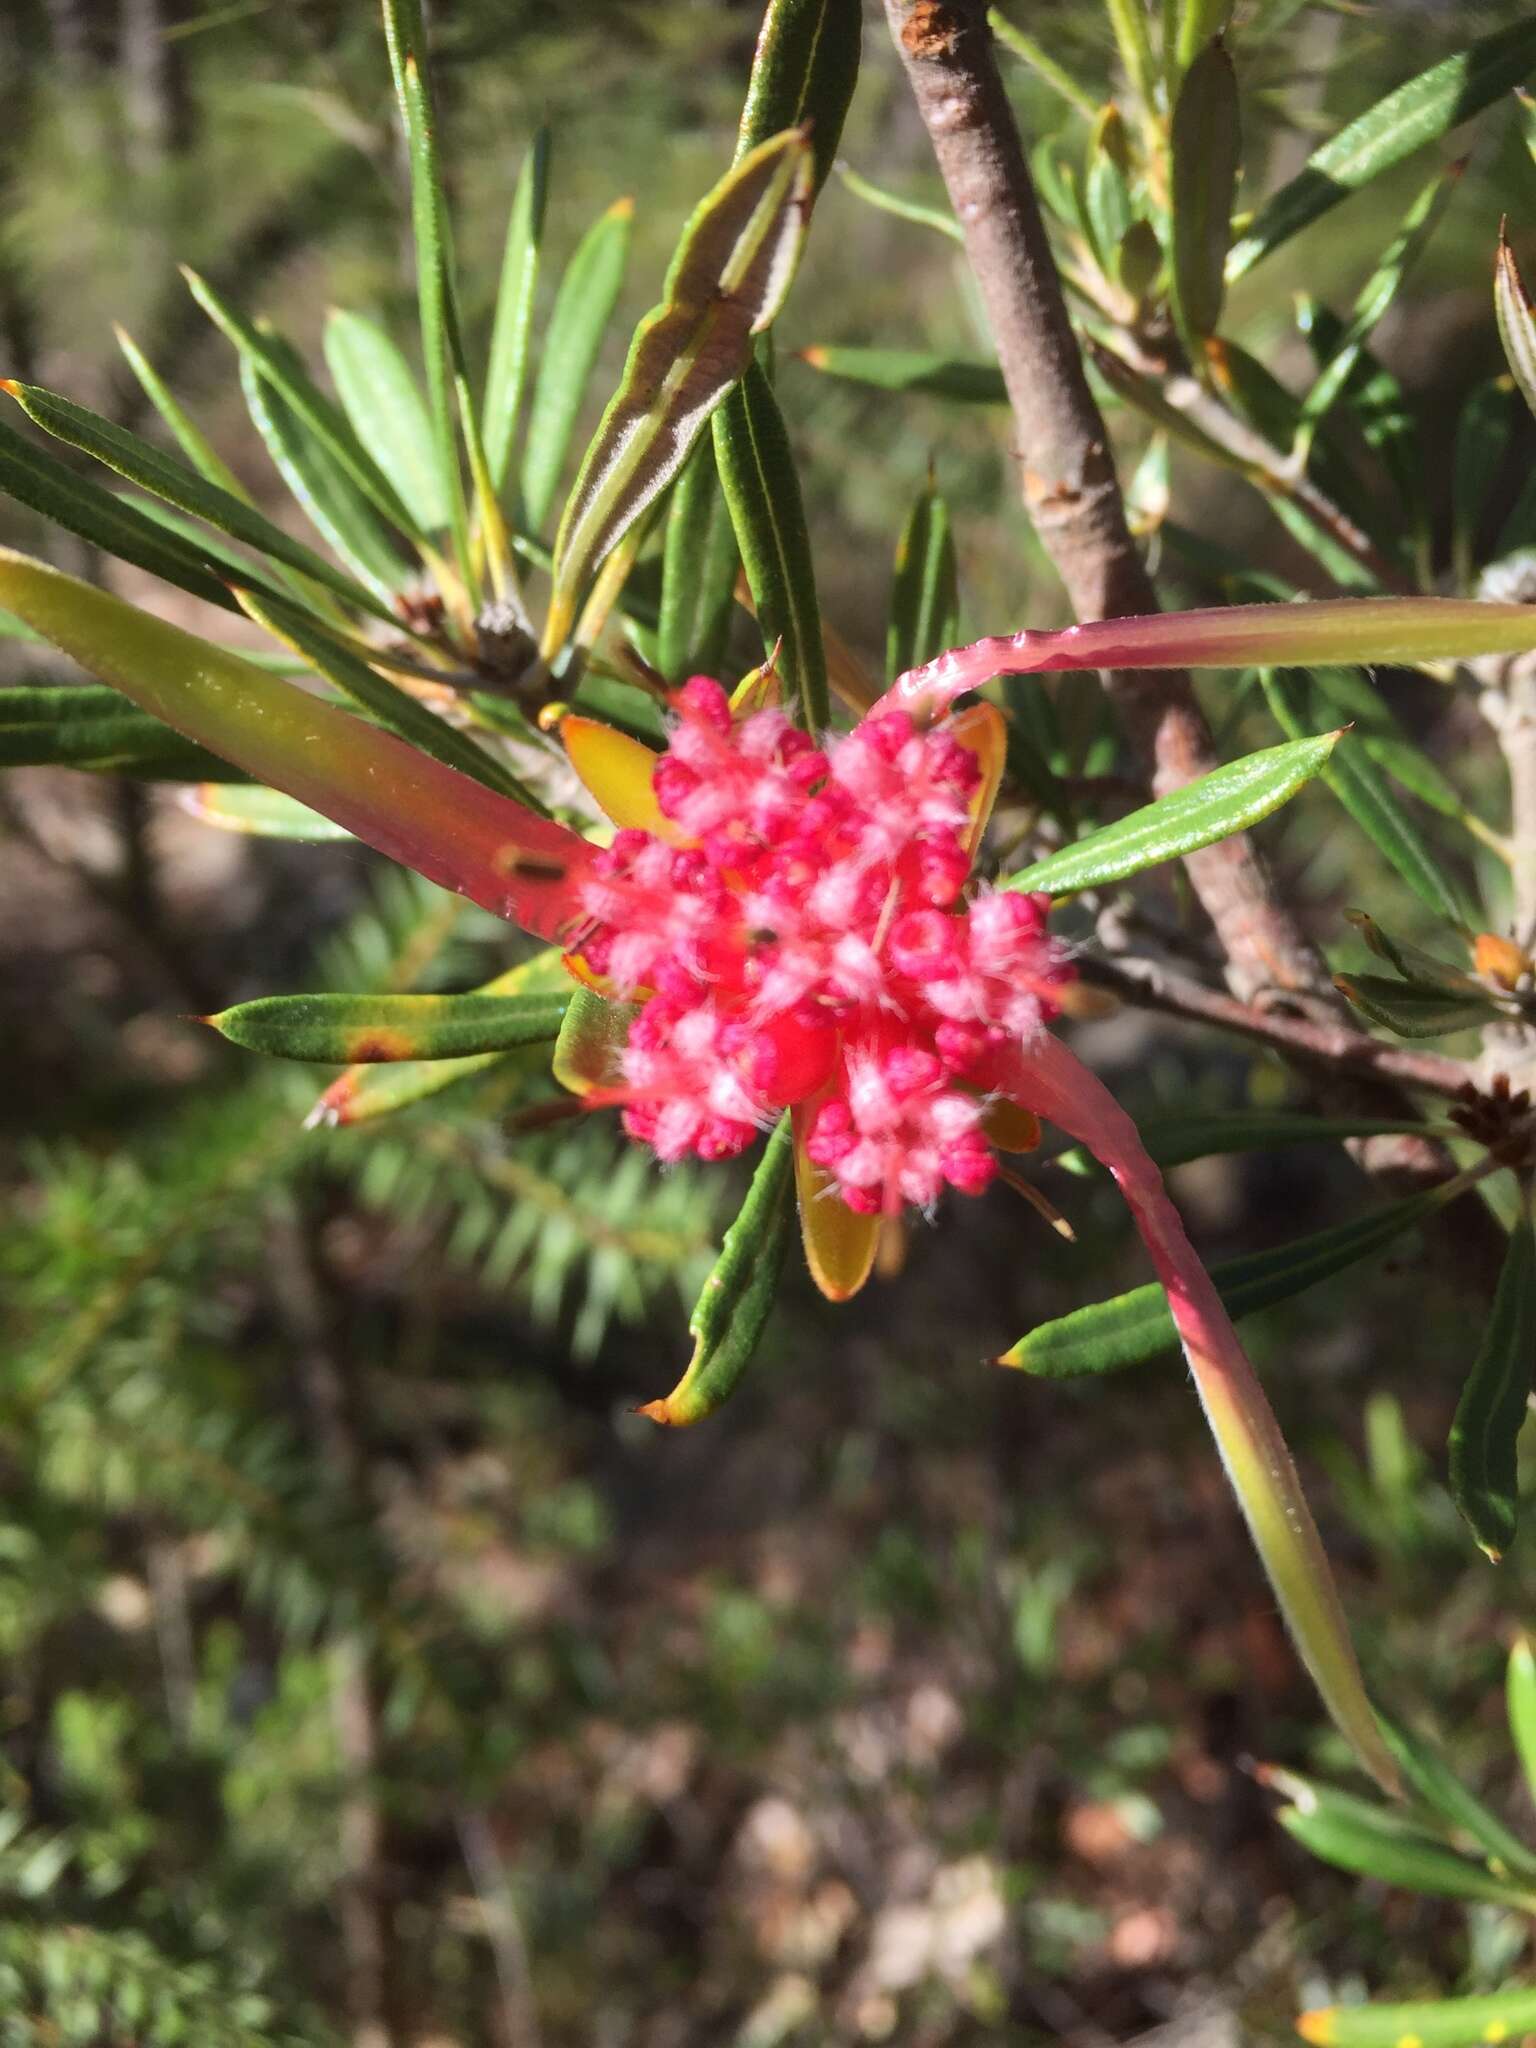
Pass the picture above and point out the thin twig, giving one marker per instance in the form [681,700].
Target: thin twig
[1067,467]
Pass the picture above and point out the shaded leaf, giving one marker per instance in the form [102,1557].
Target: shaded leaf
[591,1040]
[903,209]
[190,438]
[1483,435]
[739,1295]
[726,282]
[803,73]
[840,1245]
[1130,1328]
[1517,322]
[1420,112]
[1492,1408]
[900,369]
[1520,1698]
[584,303]
[698,573]
[1436,2023]
[1041,61]
[1206,154]
[925,595]
[369,1028]
[1350,1840]
[1228,800]
[1411,1012]
[1426,1773]
[85,727]
[757,475]
[1175,1140]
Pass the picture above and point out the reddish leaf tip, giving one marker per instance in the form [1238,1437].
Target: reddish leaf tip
[10,384]
[623,208]
[658,1411]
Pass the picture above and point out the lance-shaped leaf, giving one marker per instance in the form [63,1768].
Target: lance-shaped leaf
[1427,1774]
[1040,61]
[1175,1140]
[1337,631]
[757,474]
[276,364]
[1520,1699]
[1107,211]
[394,708]
[506,375]
[379,396]
[1424,970]
[336,508]
[1051,1081]
[584,303]
[901,369]
[618,771]
[1412,1012]
[698,573]
[803,73]
[1207,155]
[259,813]
[1228,800]
[428,816]
[364,1093]
[1435,2023]
[738,1297]
[1129,1329]
[74,726]
[1365,792]
[365,1029]
[903,209]
[925,595]
[1484,432]
[1420,112]
[190,438]
[1492,1408]
[162,474]
[727,280]
[1517,322]
[1355,1839]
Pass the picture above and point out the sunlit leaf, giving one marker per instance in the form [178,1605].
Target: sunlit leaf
[379,396]
[1107,210]
[840,1245]
[1174,1140]
[903,209]
[617,771]
[1492,1408]
[413,808]
[1436,2023]
[738,1297]
[190,438]
[726,282]
[757,474]
[1352,1839]
[584,303]
[591,1040]
[507,375]
[1520,1695]
[1420,112]
[259,813]
[369,1028]
[1517,321]
[803,73]
[1229,799]
[1427,1774]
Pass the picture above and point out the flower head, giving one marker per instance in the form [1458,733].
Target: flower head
[798,928]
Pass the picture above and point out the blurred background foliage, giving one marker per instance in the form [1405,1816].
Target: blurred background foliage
[371,1672]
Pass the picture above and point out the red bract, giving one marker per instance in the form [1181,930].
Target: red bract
[801,938]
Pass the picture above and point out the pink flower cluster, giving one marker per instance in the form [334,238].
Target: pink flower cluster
[802,938]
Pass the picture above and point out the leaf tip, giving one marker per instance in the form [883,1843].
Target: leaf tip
[1318,2026]
[333,1107]
[11,385]
[815,355]
[623,208]
[661,1412]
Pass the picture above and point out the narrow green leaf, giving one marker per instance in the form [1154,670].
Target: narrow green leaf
[1175,1140]
[1128,19]
[1426,1772]
[332,502]
[1130,1328]
[165,477]
[1414,1012]
[1350,1842]
[1483,435]
[584,303]
[436,297]
[591,1040]
[903,209]
[1207,155]
[925,594]
[803,74]
[37,479]
[190,438]
[1040,61]
[412,808]
[1517,321]
[1492,1408]
[1229,799]
[512,329]
[74,726]
[259,813]
[1107,211]
[369,1028]
[1364,791]
[698,573]
[1438,2023]
[725,283]
[738,1297]
[279,366]
[1521,1701]
[394,708]
[1425,970]
[1420,112]
[899,369]
[379,397]
[757,474]
[1198,22]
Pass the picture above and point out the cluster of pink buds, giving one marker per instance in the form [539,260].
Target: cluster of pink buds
[801,936]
